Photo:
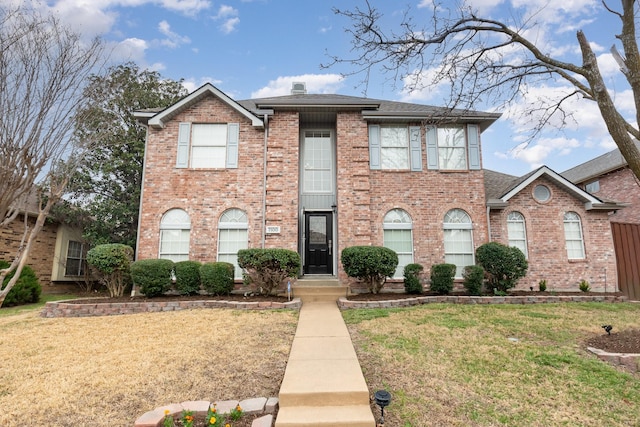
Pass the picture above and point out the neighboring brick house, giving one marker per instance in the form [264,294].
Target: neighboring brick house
[317,173]
[57,256]
[608,176]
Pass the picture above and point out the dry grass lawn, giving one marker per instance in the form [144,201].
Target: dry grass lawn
[107,371]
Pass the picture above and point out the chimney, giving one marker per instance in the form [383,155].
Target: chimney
[298,88]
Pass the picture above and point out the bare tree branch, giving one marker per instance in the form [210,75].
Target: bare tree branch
[44,68]
[486,61]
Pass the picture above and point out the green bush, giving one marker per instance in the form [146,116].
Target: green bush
[442,278]
[504,265]
[412,283]
[584,286]
[371,264]
[542,285]
[153,276]
[473,279]
[268,269]
[217,277]
[187,277]
[112,263]
[27,289]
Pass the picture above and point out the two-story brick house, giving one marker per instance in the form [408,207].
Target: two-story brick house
[317,173]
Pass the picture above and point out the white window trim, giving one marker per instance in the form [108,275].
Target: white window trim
[578,221]
[184,147]
[524,231]
[166,225]
[460,226]
[232,225]
[399,273]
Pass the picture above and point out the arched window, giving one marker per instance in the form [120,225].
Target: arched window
[458,240]
[517,231]
[233,235]
[573,236]
[397,227]
[175,227]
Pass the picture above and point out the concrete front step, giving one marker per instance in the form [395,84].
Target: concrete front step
[317,416]
[320,293]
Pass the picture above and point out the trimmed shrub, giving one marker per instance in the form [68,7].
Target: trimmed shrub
[442,278]
[268,269]
[187,277]
[217,277]
[111,263]
[505,265]
[412,283]
[371,264]
[27,289]
[584,286]
[153,276]
[542,285]
[473,279]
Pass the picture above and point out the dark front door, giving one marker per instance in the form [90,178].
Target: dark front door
[318,243]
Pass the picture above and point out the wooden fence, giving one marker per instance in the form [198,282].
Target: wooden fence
[626,240]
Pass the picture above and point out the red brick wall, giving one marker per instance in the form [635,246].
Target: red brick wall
[622,186]
[365,196]
[203,193]
[547,251]
[42,251]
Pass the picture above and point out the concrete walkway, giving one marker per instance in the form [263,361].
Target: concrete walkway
[323,383]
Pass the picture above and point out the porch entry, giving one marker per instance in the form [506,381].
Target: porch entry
[318,247]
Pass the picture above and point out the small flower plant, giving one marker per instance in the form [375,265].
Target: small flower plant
[213,418]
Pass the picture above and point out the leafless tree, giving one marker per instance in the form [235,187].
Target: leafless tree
[485,61]
[44,67]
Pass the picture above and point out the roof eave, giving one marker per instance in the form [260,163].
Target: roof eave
[158,120]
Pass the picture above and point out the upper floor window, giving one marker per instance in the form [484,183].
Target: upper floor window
[592,187]
[458,240]
[318,165]
[395,147]
[453,147]
[517,232]
[573,236]
[208,145]
[233,235]
[175,228]
[397,227]
[76,259]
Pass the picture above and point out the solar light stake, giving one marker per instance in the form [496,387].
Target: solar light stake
[383,398]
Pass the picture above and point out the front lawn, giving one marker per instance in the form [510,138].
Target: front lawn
[471,365]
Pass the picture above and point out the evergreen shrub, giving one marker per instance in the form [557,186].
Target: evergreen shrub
[504,265]
[153,276]
[412,283]
[266,270]
[473,276]
[217,277]
[442,278]
[187,277]
[27,289]
[111,262]
[371,264]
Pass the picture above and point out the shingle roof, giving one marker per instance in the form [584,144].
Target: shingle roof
[600,165]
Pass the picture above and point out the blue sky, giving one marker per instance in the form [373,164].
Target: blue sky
[256,48]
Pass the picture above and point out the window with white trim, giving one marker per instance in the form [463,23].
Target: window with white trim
[573,236]
[517,232]
[207,145]
[76,259]
[233,235]
[593,186]
[395,147]
[458,240]
[397,226]
[175,230]
[453,147]
[318,171]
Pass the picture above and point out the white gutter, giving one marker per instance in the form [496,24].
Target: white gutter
[144,161]
[264,180]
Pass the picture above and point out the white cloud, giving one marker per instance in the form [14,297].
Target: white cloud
[173,39]
[131,49]
[229,17]
[187,7]
[316,83]
[535,153]
[192,83]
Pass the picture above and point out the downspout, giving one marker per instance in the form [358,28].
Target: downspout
[489,223]
[264,181]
